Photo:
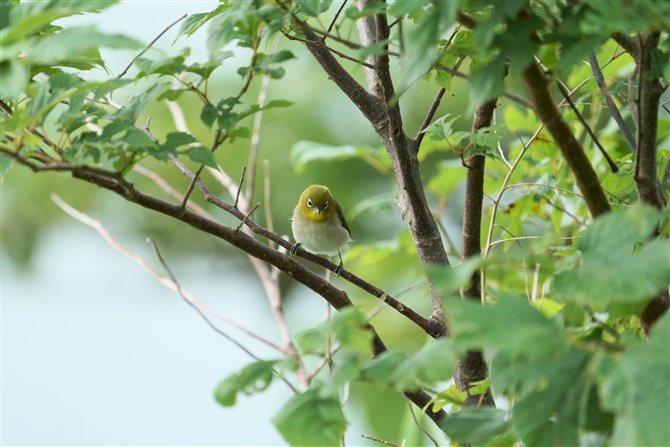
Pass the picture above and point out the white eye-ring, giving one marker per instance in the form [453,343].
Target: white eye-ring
[325,207]
[309,203]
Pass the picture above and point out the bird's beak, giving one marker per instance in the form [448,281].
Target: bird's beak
[318,210]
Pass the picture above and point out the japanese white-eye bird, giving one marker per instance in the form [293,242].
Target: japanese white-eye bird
[319,226]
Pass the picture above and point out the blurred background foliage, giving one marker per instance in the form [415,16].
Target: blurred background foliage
[323,139]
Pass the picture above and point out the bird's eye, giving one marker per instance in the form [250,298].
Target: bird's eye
[325,207]
[309,203]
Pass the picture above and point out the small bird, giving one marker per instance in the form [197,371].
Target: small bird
[319,226]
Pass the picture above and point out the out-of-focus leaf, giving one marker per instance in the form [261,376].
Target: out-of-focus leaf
[449,175]
[314,7]
[252,378]
[613,270]
[304,152]
[475,425]
[350,327]
[449,279]
[311,419]
[13,78]
[476,327]
[433,363]
[635,386]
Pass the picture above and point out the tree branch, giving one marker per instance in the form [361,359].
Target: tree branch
[545,108]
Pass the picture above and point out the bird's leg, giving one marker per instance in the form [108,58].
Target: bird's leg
[340,267]
[294,248]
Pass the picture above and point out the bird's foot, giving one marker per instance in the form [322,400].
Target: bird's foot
[294,248]
[339,270]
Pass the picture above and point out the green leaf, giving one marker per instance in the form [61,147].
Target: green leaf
[635,386]
[451,395]
[477,327]
[314,7]
[487,82]
[421,42]
[433,363]
[312,340]
[345,371]
[475,425]
[351,328]
[450,174]
[27,18]
[304,152]
[370,9]
[6,163]
[382,369]
[208,115]
[252,378]
[239,132]
[450,279]
[310,419]
[13,78]
[73,44]
[549,416]
[169,66]
[612,269]
[201,154]
[277,103]
[195,21]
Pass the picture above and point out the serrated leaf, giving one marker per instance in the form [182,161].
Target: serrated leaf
[476,327]
[642,405]
[314,7]
[309,419]
[201,154]
[451,395]
[208,115]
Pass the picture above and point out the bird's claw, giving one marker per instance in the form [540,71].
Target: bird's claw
[294,248]
[339,270]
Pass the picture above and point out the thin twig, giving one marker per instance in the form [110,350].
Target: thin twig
[164,281]
[614,111]
[204,317]
[169,190]
[332,22]
[429,117]
[266,199]
[239,187]
[342,55]
[246,217]
[418,424]
[256,132]
[196,175]
[151,44]
[372,438]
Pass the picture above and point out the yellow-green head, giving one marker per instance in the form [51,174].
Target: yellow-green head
[317,203]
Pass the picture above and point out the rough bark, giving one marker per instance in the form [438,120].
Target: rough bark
[472,367]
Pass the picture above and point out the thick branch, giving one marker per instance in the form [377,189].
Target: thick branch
[336,297]
[387,122]
[649,189]
[472,367]
[545,108]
